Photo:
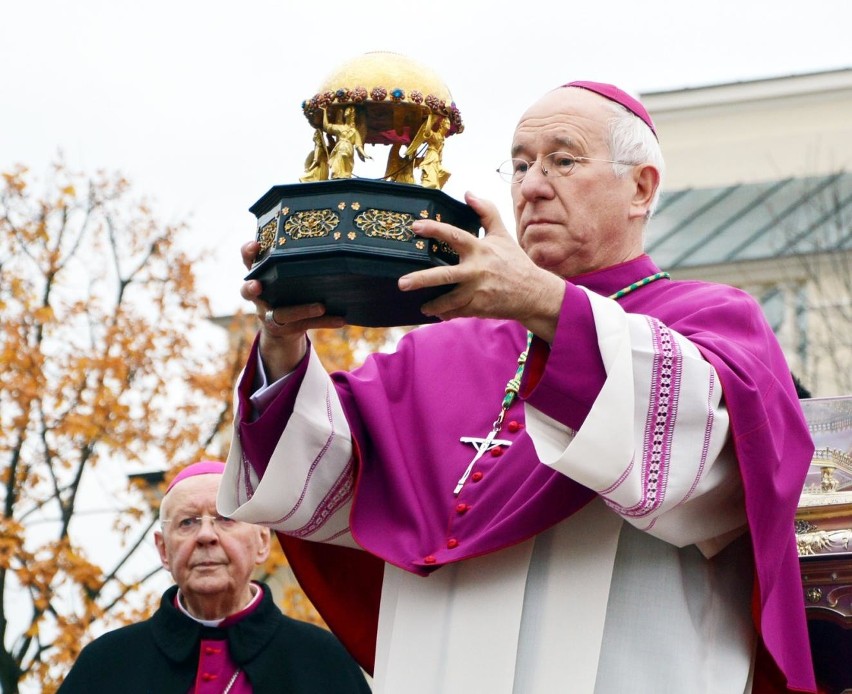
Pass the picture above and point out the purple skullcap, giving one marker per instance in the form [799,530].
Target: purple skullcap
[205,467]
[613,93]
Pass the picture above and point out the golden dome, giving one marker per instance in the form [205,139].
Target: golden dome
[388,70]
[395,93]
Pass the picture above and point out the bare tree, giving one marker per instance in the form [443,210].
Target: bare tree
[819,242]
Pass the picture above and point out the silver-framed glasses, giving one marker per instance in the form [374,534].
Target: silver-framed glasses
[190,525]
[555,164]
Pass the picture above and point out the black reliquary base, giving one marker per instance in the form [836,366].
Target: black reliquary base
[346,242]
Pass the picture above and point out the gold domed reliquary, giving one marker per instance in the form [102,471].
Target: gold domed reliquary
[343,240]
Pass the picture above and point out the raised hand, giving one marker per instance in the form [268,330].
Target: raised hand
[494,277]
[283,332]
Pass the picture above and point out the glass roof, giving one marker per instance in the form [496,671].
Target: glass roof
[752,221]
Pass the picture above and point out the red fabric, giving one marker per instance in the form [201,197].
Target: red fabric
[767,677]
[345,585]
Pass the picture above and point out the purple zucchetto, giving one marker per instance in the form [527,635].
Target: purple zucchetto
[619,96]
[205,467]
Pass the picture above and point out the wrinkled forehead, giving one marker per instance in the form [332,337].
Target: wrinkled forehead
[565,118]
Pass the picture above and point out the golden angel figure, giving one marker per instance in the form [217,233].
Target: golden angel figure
[400,167]
[316,164]
[432,133]
[348,140]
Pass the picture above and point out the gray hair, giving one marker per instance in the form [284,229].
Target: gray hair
[630,139]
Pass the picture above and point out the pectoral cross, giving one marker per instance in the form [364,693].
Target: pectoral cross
[482,446]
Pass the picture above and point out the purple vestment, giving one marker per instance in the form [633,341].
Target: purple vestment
[408,411]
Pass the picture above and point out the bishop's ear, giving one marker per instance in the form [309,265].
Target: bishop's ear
[160,541]
[646,179]
[264,545]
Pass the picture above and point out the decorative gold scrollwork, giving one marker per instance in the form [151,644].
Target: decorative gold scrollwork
[311,224]
[386,224]
[266,236]
[813,595]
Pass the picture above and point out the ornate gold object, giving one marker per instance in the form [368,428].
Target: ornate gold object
[381,98]
[311,224]
[386,224]
[316,165]
[818,541]
[344,240]
[267,235]
[824,516]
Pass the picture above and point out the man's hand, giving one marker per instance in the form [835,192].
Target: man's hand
[283,332]
[494,277]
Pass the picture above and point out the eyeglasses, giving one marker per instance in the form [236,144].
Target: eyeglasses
[190,525]
[555,164]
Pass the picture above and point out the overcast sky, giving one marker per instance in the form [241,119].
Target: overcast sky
[199,103]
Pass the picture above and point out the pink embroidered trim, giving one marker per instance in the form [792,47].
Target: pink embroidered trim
[659,423]
[337,496]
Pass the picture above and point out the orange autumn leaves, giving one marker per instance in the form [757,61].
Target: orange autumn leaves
[109,363]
